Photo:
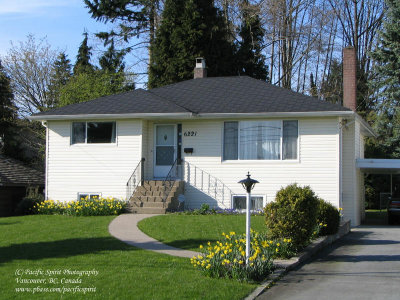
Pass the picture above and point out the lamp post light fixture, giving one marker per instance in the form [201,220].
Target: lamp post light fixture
[248,184]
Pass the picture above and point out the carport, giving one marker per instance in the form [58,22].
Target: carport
[380,166]
[389,167]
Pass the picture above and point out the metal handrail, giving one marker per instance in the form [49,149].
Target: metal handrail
[136,179]
[171,176]
[207,183]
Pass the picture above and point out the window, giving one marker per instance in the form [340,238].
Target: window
[260,140]
[93,132]
[239,202]
[90,196]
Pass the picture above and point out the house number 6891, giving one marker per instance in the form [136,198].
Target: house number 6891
[190,133]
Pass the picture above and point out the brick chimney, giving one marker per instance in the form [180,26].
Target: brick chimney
[350,78]
[200,71]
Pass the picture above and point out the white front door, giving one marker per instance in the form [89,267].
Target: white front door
[164,149]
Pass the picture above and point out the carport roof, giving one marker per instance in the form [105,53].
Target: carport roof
[379,166]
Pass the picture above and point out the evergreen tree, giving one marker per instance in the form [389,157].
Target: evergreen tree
[133,17]
[332,87]
[249,57]
[112,60]
[190,29]
[313,86]
[82,63]
[7,109]
[62,69]
[387,82]
[62,72]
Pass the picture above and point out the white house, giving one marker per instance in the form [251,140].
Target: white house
[213,131]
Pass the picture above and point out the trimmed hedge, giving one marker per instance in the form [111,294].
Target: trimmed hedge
[293,215]
[328,215]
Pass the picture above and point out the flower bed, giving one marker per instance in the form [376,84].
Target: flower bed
[227,257]
[84,207]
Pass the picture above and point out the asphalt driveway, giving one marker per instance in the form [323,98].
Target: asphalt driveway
[365,264]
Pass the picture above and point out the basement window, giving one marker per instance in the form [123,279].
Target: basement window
[93,132]
[89,196]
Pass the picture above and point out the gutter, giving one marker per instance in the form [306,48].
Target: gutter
[190,115]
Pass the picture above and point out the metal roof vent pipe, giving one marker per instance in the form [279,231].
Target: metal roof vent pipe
[350,78]
[200,71]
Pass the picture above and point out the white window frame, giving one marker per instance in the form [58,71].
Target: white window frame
[89,194]
[264,197]
[86,127]
[281,160]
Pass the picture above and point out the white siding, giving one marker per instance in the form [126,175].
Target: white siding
[317,165]
[349,168]
[353,178]
[103,168]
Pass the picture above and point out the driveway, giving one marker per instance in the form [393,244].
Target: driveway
[365,264]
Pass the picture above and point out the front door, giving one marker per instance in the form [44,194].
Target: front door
[164,149]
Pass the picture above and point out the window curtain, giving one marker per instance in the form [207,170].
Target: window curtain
[290,136]
[260,140]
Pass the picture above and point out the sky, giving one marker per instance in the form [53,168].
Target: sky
[62,22]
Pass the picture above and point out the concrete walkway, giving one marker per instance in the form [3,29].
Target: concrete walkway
[365,264]
[124,228]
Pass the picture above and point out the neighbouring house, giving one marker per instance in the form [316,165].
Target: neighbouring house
[15,179]
[208,132]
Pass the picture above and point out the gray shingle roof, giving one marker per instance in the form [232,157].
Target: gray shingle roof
[240,94]
[15,173]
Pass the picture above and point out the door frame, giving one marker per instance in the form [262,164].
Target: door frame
[155,147]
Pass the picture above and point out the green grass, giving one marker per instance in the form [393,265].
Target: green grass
[189,231]
[83,243]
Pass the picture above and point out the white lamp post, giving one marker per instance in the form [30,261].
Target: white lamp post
[248,184]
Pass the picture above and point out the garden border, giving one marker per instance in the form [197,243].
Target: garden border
[284,266]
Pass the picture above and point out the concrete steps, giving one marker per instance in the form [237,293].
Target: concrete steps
[156,197]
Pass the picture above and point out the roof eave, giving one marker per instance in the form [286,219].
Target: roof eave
[187,115]
[111,116]
[277,114]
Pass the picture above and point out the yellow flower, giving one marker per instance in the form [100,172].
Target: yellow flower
[208,266]
[201,246]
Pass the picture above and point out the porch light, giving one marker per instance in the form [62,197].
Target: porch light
[248,184]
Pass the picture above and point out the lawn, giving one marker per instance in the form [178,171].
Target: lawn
[189,231]
[69,244]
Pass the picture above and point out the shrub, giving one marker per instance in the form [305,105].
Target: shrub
[27,204]
[83,207]
[227,257]
[328,218]
[293,214]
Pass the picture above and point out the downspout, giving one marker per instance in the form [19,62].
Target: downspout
[340,163]
[44,124]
